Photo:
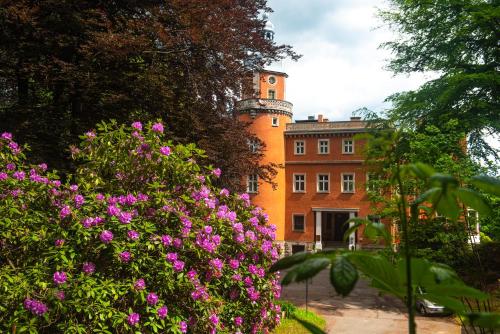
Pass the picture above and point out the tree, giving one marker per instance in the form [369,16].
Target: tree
[458,40]
[66,65]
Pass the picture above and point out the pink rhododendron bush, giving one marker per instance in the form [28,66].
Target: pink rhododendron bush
[139,241]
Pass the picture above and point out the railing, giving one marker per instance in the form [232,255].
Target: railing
[264,104]
[340,125]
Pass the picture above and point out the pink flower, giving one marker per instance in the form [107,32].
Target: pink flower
[88,268]
[217,172]
[73,187]
[106,236]
[157,127]
[178,265]
[137,126]
[224,192]
[238,321]
[10,166]
[99,197]
[162,312]
[183,326]
[133,319]
[7,136]
[79,200]
[165,150]
[65,211]
[3,176]
[20,175]
[214,319]
[134,235]
[59,242]
[152,298]
[140,284]
[125,256]
[59,277]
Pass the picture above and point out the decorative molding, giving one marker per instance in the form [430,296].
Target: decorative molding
[264,106]
[316,209]
[325,162]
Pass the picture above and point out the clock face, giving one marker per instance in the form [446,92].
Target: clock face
[271,80]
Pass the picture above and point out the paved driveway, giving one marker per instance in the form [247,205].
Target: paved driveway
[363,311]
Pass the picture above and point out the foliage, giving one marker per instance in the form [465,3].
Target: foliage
[141,242]
[458,41]
[301,322]
[441,240]
[66,65]
[402,275]
[490,225]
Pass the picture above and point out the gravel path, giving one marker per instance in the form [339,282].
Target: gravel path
[363,311]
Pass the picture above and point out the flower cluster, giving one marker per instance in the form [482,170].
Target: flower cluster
[140,215]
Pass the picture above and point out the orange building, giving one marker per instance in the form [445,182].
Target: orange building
[323,182]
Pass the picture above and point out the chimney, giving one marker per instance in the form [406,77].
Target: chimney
[355,118]
[310,118]
[320,118]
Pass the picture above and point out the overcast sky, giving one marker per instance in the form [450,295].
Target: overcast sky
[341,68]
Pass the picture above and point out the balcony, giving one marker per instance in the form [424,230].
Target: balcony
[254,106]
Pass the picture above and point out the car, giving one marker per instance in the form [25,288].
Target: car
[426,307]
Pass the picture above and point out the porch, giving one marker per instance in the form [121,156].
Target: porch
[330,228]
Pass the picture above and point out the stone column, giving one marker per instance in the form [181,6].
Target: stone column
[352,237]
[318,245]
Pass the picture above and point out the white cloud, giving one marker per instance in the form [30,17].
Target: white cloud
[342,68]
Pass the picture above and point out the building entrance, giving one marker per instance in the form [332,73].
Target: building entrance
[333,229]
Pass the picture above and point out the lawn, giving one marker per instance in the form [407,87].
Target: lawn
[297,322]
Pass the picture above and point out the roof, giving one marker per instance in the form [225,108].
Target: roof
[325,127]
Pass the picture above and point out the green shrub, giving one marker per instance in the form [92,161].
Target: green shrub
[141,241]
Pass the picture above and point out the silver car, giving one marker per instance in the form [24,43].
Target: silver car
[426,307]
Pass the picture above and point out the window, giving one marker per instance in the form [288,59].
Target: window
[348,146]
[347,183]
[298,223]
[252,183]
[374,219]
[271,94]
[253,145]
[299,183]
[323,183]
[275,121]
[373,183]
[300,147]
[323,146]
[271,79]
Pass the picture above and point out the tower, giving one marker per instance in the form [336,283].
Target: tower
[268,112]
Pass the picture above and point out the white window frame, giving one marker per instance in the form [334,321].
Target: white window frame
[353,183]
[295,146]
[327,141]
[293,222]
[252,184]
[275,121]
[344,145]
[318,182]
[295,190]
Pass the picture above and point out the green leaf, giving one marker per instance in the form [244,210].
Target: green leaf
[305,270]
[488,184]
[421,170]
[383,274]
[290,261]
[343,275]
[456,290]
[484,319]
[474,200]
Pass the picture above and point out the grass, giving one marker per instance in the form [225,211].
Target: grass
[302,322]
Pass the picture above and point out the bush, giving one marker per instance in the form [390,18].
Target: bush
[139,241]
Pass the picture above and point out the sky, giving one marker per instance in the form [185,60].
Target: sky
[342,67]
